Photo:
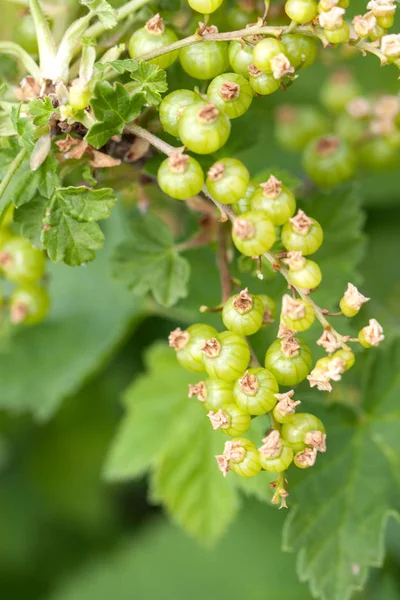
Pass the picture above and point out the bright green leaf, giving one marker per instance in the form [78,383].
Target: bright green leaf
[26,183]
[42,111]
[24,127]
[113,106]
[148,262]
[29,217]
[344,503]
[103,10]
[151,80]
[120,66]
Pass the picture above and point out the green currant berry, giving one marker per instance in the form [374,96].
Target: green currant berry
[173,106]
[255,391]
[5,236]
[386,21]
[204,129]
[329,161]
[269,308]
[264,51]
[226,356]
[244,204]
[290,360]
[153,36]
[297,314]
[371,335]
[349,129]
[301,11]
[205,7]
[79,97]
[180,176]
[230,419]
[303,273]
[285,409]
[231,93]
[306,458]
[295,126]
[339,90]
[262,83]
[302,234]
[347,355]
[301,50]
[276,455]
[378,154]
[339,35]
[275,199]
[29,304]
[206,60]
[189,345]
[24,34]
[228,180]
[8,217]
[299,432]
[213,393]
[20,262]
[347,310]
[240,58]
[253,233]
[243,313]
[241,456]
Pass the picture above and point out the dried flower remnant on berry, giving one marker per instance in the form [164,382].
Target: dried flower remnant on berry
[155,25]
[316,439]
[285,332]
[198,390]
[271,188]
[243,302]
[212,348]
[295,260]
[272,445]
[329,341]
[18,312]
[295,309]
[381,8]
[328,4]
[216,172]
[249,384]
[244,229]
[208,114]
[390,45]
[178,339]
[328,144]
[359,108]
[233,451]
[286,406]
[364,25]
[319,378]
[178,162]
[306,458]
[373,333]
[301,223]
[332,19]
[335,368]
[353,297]
[253,71]
[219,419]
[223,464]
[280,66]
[290,347]
[229,91]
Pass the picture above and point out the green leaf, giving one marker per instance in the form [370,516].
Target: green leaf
[148,262]
[24,127]
[26,183]
[42,111]
[344,503]
[103,10]
[170,433]
[29,218]
[151,80]
[113,106]
[70,233]
[120,66]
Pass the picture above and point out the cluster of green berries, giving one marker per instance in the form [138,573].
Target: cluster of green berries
[358,132]
[23,266]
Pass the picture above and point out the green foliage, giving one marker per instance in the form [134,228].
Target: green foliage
[70,232]
[151,80]
[148,262]
[41,111]
[120,66]
[345,502]
[26,184]
[113,106]
[24,128]
[103,10]
[29,218]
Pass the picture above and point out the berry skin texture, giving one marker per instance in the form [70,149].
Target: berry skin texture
[231,93]
[306,242]
[244,204]
[295,431]
[230,420]
[301,50]
[264,83]
[255,391]
[243,313]
[304,321]
[188,345]
[206,60]
[296,125]
[329,161]
[279,206]
[240,58]
[172,107]
[143,41]
[264,51]
[288,370]
[204,129]
[280,463]
[347,355]
[205,7]
[228,180]
[253,233]
[338,36]
[226,356]
[29,304]
[79,97]
[180,181]
[217,393]
[21,262]
[301,11]
[347,310]
[308,278]
[249,465]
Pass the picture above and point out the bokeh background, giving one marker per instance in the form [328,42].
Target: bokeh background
[64,533]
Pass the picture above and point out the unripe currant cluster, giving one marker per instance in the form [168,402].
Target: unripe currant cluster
[23,266]
[359,131]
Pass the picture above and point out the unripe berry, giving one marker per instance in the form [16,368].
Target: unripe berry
[347,355]
[301,50]
[228,180]
[241,456]
[180,176]
[371,335]
[244,204]
[205,60]
[306,458]
[20,261]
[226,356]
[262,83]
[243,313]
[255,391]
[329,161]
[189,344]
[212,393]
[302,234]
[303,273]
[275,199]
[290,360]
[339,35]
[297,314]
[295,126]
[352,301]
[204,129]
[264,51]
[275,454]
[304,430]
[205,7]
[339,90]
[253,233]
[29,304]
[230,419]
[301,11]
[152,36]
[240,57]
[285,409]
[231,93]
[173,106]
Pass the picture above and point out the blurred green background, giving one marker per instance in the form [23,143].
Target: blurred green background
[66,535]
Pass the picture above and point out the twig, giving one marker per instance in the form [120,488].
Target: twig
[223,265]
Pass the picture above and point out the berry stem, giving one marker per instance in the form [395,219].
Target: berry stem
[223,264]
